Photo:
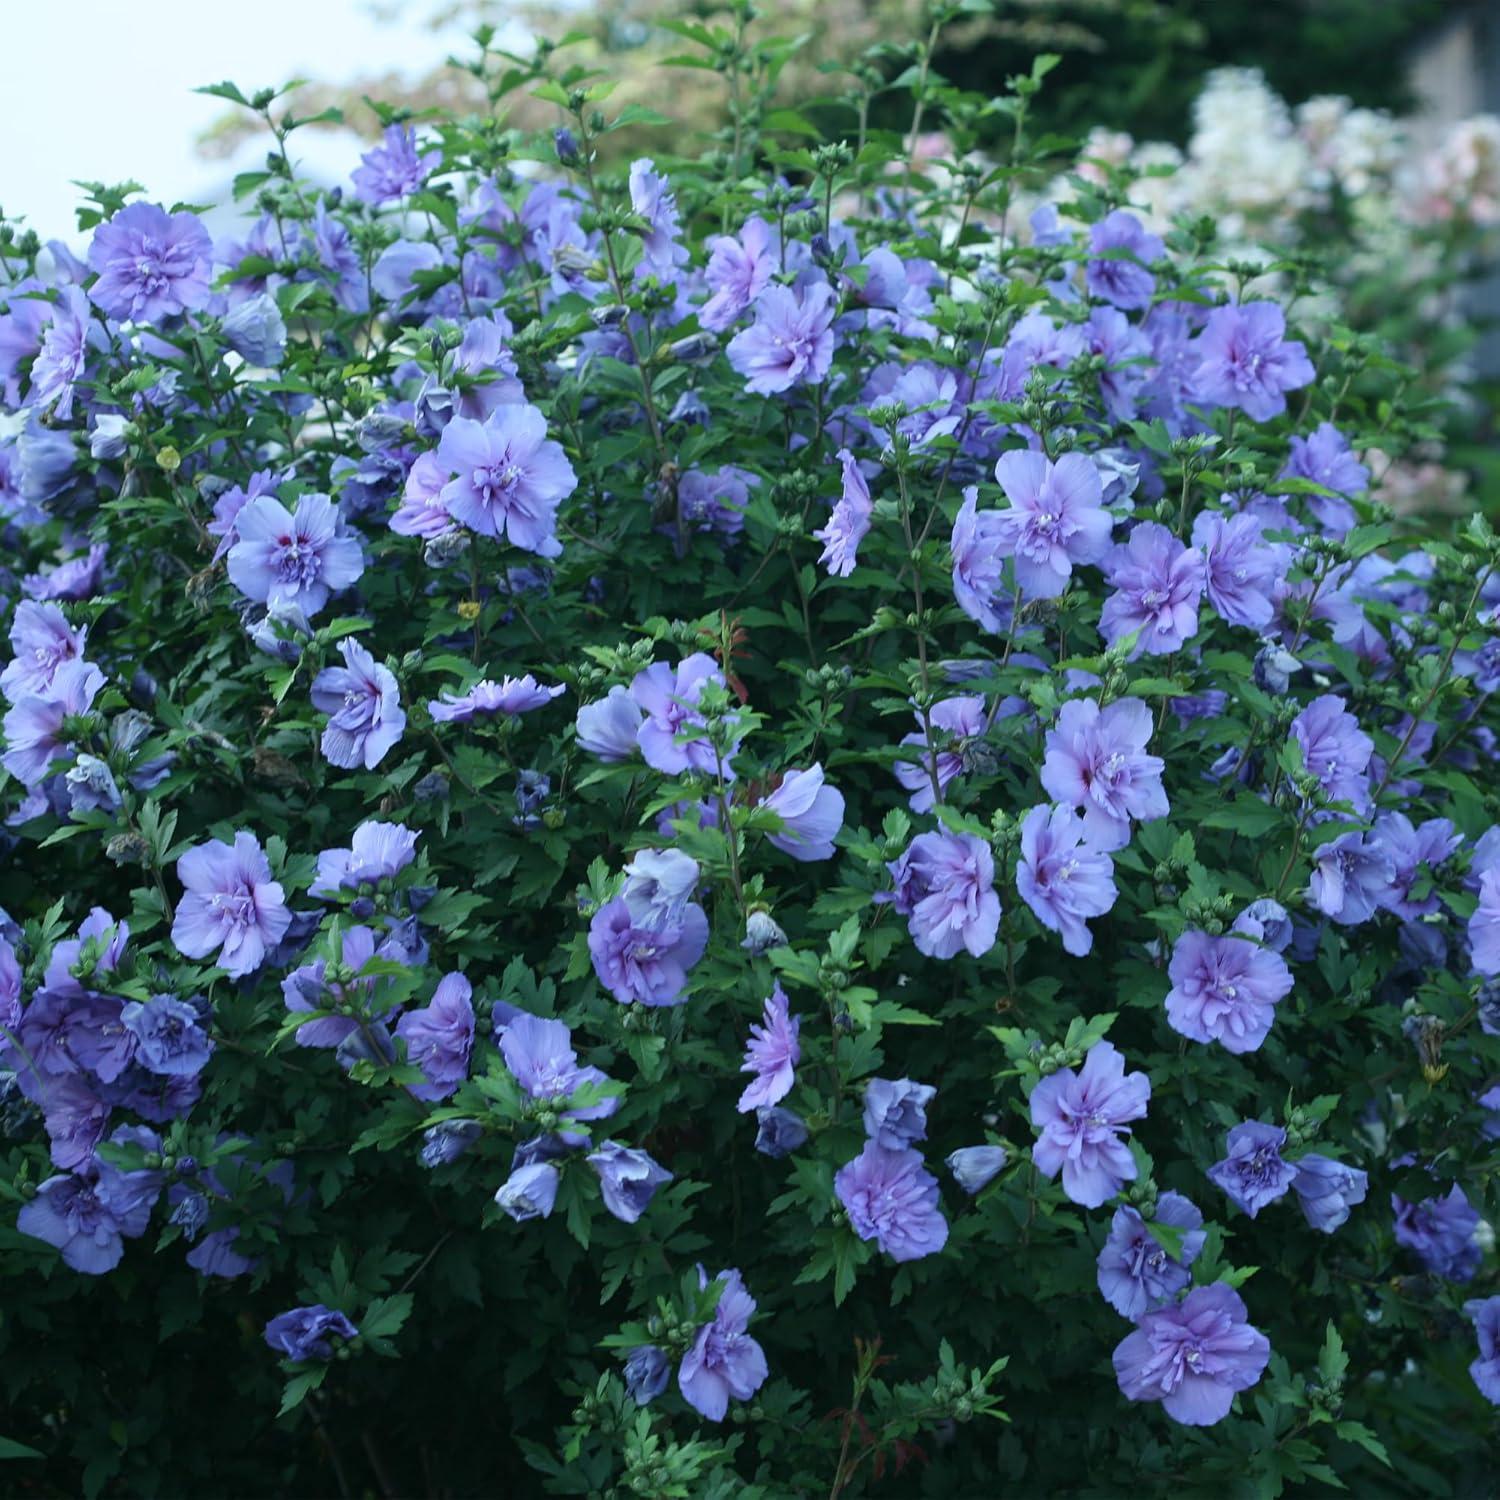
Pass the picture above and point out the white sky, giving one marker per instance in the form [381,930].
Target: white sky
[101,89]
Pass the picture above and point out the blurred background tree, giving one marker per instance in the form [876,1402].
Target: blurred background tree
[1133,65]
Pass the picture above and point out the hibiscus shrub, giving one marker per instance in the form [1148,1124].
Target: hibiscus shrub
[686,835]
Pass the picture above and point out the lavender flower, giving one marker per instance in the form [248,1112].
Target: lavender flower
[168,1038]
[658,885]
[895,1112]
[645,967]
[151,265]
[529,1192]
[771,1054]
[1335,750]
[1246,361]
[737,272]
[975,1167]
[945,888]
[1123,278]
[42,641]
[891,1198]
[394,168]
[1409,851]
[646,1373]
[662,250]
[514,696]
[849,521]
[778,1131]
[447,1141]
[978,554]
[669,699]
[509,478]
[309,1332]
[1158,583]
[1082,1117]
[628,1179]
[762,933]
[1136,1273]
[61,362]
[1267,922]
[1056,519]
[1486,1369]
[1062,877]
[295,559]
[811,815]
[364,707]
[440,1037]
[1351,878]
[1240,571]
[1326,458]
[33,726]
[609,727]
[1096,761]
[1253,1173]
[1193,1356]
[1441,1232]
[1225,989]
[378,851]
[1484,926]
[1327,1190]
[89,1213]
[724,1360]
[953,719]
[540,1056]
[232,908]
[791,341]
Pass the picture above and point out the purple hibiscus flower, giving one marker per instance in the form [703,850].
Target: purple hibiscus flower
[945,888]
[954,719]
[59,366]
[440,1037]
[1351,877]
[979,555]
[848,522]
[628,1179]
[1246,361]
[791,341]
[1096,761]
[1252,1172]
[508,477]
[309,1332]
[1410,850]
[1122,277]
[232,908]
[737,272]
[296,559]
[42,641]
[1327,1189]
[540,1056]
[811,815]
[895,1112]
[1157,582]
[645,967]
[892,1198]
[669,700]
[1442,1232]
[1326,458]
[33,726]
[1082,1117]
[363,703]
[1486,1369]
[662,250]
[1484,926]
[1056,519]
[1136,1272]
[724,1360]
[89,1213]
[771,1054]
[151,265]
[1062,877]
[395,167]
[166,1035]
[609,728]
[1193,1356]
[378,851]
[1335,750]
[1225,989]
[513,696]
[1240,571]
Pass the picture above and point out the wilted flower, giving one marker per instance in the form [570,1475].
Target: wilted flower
[646,1374]
[628,1179]
[309,1332]
[778,1131]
